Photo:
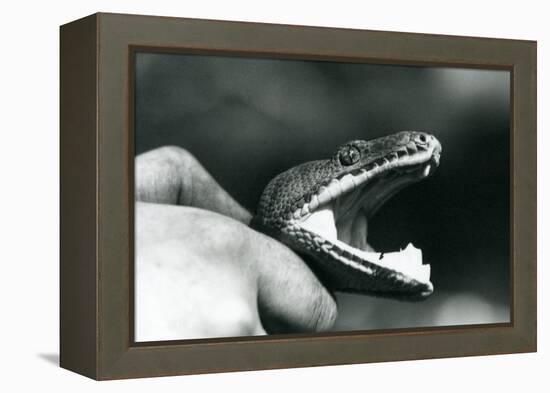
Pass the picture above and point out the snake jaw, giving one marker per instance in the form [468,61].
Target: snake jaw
[321,208]
[340,210]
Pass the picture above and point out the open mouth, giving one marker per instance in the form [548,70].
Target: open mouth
[340,211]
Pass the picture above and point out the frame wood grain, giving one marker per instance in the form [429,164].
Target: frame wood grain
[97,157]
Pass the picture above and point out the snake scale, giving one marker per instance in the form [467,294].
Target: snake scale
[321,210]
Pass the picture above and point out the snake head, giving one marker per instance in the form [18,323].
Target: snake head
[363,154]
[322,208]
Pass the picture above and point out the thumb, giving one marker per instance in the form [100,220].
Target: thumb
[290,297]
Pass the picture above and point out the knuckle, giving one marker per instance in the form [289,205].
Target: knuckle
[173,152]
[176,157]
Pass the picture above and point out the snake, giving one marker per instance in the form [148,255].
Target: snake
[321,209]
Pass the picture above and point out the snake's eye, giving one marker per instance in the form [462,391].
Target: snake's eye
[421,138]
[349,155]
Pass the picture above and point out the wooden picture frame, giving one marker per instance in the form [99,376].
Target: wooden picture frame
[97,155]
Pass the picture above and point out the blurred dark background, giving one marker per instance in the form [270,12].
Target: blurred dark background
[248,119]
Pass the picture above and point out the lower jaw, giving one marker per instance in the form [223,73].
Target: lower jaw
[407,262]
[344,271]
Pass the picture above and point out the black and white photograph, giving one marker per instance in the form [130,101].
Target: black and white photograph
[275,197]
[289,196]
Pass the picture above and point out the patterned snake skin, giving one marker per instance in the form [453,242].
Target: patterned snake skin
[400,159]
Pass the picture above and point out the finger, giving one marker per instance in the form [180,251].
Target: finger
[171,175]
[191,281]
[290,297]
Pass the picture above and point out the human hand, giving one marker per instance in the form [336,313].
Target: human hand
[202,272]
